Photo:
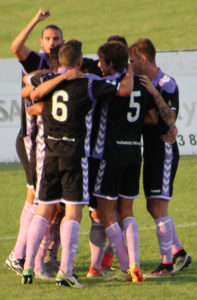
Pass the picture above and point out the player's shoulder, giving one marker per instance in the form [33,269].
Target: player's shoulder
[167,83]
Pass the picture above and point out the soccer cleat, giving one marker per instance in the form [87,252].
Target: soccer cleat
[119,275]
[92,273]
[45,275]
[136,273]
[70,281]
[107,260]
[15,264]
[180,261]
[28,276]
[160,271]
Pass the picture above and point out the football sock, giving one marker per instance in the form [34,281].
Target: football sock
[28,214]
[69,239]
[35,235]
[117,242]
[176,244]
[165,238]
[132,237]
[42,250]
[55,237]
[25,210]
[97,239]
[109,249]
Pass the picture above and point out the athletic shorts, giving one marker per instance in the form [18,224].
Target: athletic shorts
[64,180]
[116,179]
[93,170]
[26,155]
[158,177]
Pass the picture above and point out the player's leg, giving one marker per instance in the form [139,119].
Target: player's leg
[106,190]
[15,261]
[106,210]
[51,263]
[97,239]
[158,192]
[69,240]
[49,192]
[75,188]
[36,233]
[107,257]
[128,192]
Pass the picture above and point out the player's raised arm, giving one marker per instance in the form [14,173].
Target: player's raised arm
[18,47]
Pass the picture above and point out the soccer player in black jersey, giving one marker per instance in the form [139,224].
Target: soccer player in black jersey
[30,60]
[117,183]
[67,117]
[160,157]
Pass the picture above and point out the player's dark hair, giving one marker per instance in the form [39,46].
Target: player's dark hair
[117,53]
[117,38]
[145,47]
[54,58]
[54,27]
[70,53]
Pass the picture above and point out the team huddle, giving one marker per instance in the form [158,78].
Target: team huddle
[82,121]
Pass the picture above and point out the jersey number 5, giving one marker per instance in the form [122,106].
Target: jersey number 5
[59,108]
[134,115]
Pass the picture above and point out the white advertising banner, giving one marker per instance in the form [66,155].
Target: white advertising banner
[10,102]
[182,65]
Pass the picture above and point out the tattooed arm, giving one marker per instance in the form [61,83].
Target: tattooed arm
[167,114]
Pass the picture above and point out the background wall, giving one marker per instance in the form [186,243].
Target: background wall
[182,65]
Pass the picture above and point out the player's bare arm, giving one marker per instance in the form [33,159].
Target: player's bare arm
[126,84]
[36,109]
[166,113]
[151,117]
[46,87]
[27,77]
[18,47]
[26,90]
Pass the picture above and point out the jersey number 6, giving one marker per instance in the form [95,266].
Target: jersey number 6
[59,108]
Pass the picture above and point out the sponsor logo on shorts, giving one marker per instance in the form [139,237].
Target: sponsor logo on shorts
[155,191]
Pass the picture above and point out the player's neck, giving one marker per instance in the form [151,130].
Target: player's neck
[152,72]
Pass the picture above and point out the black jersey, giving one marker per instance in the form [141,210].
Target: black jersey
[124,118]
[90,65]
[34,61]
[67,115]
[154,147]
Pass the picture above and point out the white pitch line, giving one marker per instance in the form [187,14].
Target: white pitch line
[8,238]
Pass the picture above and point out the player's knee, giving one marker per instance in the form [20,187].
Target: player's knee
[94,216]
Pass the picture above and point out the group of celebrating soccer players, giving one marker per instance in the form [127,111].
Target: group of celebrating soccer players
[80,144]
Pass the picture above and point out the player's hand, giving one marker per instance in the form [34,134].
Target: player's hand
[170,136]
[42,14]
[145,81]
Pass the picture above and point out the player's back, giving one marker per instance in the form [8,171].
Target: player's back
[68,110]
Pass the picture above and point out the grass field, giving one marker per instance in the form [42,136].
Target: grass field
[171,25]
[182,210]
